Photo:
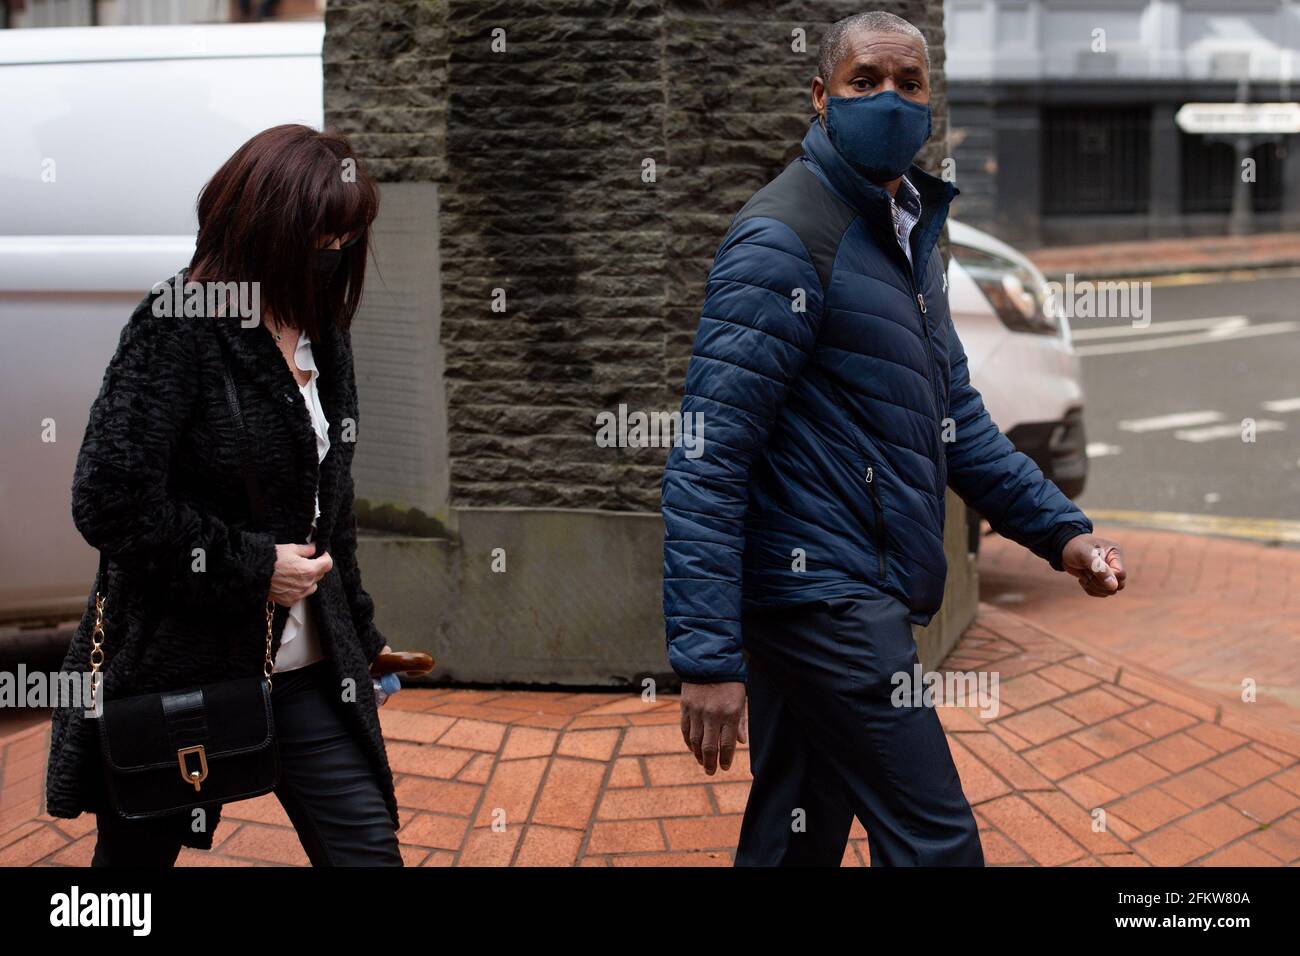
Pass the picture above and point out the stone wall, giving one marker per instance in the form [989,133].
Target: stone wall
[530,165]
[539,152]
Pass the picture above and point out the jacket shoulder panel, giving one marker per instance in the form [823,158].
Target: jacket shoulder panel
[798,199]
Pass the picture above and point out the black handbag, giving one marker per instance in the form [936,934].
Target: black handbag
[170,752]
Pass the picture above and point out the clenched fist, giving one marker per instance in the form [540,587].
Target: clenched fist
[1096,563]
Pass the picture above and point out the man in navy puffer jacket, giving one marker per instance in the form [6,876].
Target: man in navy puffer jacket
[807,538]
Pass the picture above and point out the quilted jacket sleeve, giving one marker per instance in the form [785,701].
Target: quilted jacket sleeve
[1001,483]
[120,499]
[762,306]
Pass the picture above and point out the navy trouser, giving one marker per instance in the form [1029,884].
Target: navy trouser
[826,744]
[327,788]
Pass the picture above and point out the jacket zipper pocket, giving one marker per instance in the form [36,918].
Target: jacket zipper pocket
[929,348]
[934,393]
[880,520]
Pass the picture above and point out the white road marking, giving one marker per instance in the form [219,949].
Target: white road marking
[1281,405]
[1178,325]
[1214,334]
[1226,430]
[1177,420]
[1099,449]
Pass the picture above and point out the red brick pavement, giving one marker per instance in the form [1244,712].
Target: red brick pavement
[1163,256]
[1090,759]
[1212,612]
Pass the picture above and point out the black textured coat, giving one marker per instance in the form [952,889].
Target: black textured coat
[158,477]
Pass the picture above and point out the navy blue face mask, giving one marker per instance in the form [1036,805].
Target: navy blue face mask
[879,135]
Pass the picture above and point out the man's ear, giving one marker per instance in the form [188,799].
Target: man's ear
[819,98]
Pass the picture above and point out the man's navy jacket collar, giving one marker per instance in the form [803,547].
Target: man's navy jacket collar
[872,201]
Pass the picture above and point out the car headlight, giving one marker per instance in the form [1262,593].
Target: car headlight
[1018,297]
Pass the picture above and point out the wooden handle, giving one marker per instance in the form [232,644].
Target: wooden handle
[413,663]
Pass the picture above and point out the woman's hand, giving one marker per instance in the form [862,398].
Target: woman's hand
[297,573]
[386,686]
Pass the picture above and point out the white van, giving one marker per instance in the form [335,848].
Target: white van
[110,132]
[108,135]
[1021,355]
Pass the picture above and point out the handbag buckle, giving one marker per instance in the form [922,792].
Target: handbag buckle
[194,777]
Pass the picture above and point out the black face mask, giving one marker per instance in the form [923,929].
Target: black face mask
[323,266]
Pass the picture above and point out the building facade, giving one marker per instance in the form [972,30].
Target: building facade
[17,14]
[1063,116]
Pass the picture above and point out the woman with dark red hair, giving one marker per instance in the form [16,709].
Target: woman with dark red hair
[215,478]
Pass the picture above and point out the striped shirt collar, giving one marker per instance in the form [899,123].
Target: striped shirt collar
[906,211]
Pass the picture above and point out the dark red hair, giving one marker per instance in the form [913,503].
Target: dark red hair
[270,206]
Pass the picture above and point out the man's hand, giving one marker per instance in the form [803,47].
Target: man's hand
[711,722]
[1097,564]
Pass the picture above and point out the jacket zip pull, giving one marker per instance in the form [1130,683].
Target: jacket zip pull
[925,326]
[880,520]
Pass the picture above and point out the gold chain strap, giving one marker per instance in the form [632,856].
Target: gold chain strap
[97,648]
[268,665]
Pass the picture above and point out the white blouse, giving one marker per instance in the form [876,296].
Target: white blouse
[299,644]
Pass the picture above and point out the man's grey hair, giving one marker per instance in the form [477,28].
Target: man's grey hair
[835,42]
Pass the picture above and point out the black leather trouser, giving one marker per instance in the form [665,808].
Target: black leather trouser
[327,787]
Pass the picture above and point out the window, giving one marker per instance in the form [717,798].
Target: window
[1210,172]
[1096,160]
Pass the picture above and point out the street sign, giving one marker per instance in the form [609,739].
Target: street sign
[1239,118]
